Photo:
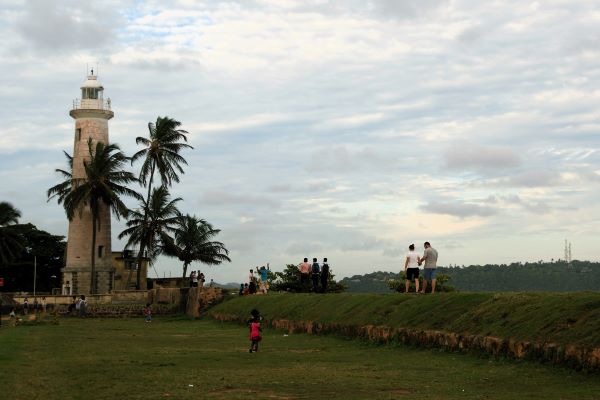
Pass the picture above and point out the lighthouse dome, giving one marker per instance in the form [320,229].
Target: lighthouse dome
[92,98]
[91,82]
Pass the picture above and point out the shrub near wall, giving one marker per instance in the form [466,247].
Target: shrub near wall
[560,328]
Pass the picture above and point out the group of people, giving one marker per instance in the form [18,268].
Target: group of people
[413,261]
[78,306]
[318,273]
[197,279]
[257,281]
[36,306]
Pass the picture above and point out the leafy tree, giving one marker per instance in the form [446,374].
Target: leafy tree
[369,283]
[557,276]
[153,225]
[103,185]
[9,215]
[10,241]
[548,276]
[161,153]
[49,251]
[289,281]
[192,243]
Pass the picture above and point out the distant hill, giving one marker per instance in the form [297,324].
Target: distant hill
[373,282]
[228,285]
[554,276]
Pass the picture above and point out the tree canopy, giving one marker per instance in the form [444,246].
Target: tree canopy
[47,248]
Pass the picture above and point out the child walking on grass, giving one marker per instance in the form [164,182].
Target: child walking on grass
[148,312]
[255,330]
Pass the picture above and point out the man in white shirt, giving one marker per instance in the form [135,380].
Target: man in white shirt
[411,268]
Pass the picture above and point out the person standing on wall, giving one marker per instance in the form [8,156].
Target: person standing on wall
[411,268]
[324,275]
[430,256]
[315,271]
[264,275]
[304,268]
[251,282]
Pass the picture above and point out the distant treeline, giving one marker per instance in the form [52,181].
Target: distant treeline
[555,276]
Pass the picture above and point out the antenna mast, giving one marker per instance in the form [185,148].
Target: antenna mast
[568,254]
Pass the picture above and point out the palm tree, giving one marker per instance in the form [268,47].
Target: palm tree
[102,186]
[11,243]
[161,153]
[192,243]
[9,215]
[151,228]
[61,190]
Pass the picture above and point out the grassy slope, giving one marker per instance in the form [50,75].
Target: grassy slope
[554,317]
[128,359]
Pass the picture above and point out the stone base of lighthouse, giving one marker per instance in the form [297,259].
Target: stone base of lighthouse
[79,280]
[78,268]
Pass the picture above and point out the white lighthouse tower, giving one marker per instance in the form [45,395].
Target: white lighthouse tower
[91,114]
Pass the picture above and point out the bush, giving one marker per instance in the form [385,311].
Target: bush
[441,284]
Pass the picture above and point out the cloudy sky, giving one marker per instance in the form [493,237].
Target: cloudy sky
[342,128]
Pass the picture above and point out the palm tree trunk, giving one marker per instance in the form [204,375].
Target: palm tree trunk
[93,278]
[185,266]
[138,279]
[150,181]
[140,257]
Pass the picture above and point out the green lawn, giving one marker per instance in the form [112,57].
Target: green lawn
[130,359]
[566,318]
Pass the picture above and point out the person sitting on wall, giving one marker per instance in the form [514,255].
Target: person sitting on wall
[82,304]
[72,306]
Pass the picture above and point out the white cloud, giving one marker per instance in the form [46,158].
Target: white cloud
[458,209]
[345,128]
[466,156]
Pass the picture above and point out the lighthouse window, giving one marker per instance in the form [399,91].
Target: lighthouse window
[78,133]
[89,93]
[100,251]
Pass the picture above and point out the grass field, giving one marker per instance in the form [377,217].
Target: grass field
[129,359]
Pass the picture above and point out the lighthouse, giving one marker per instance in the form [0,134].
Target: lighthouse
[91,113]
